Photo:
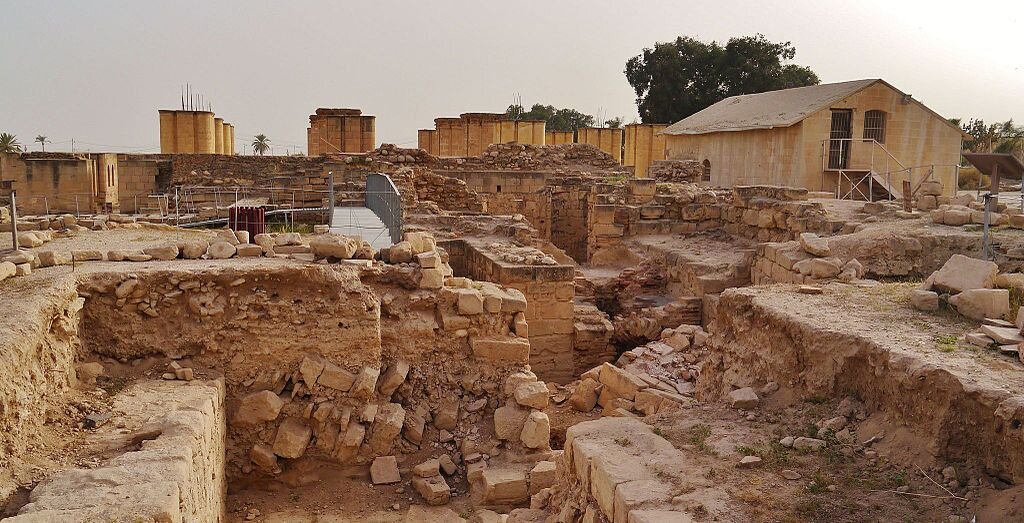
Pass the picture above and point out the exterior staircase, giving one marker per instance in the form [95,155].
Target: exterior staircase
[363,223]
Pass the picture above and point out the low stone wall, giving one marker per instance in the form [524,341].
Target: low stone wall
[549,291]
[176,474]
[592,338]
[770,213]
[678,171]
[617,469]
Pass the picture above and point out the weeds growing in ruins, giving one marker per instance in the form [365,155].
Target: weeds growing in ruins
[697,436]
[946,343]
[772,453]
[623,442]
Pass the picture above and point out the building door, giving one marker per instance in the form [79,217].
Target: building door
[839,139]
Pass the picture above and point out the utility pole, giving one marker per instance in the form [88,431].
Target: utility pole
[9,185]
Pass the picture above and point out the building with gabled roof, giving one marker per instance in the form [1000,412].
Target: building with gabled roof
[860,139]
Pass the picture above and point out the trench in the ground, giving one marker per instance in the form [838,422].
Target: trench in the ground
[257,330]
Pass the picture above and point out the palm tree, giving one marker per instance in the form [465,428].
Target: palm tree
[42,141]
[9,143]
[260,144]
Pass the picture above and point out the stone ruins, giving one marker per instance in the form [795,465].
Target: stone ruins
[547,337]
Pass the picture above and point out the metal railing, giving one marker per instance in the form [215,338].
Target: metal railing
[857,163]
[383,198]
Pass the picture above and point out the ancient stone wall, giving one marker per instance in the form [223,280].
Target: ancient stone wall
[592,337]
[676,171]
[549,290]
[176,474]
[570,211]
[615,469]
[772,213]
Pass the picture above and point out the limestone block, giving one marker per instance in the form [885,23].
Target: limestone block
[634,494]
[264,458]
[520,326]
[29,240]
[400,252]
[584,398]
[393,378]
[414,425]
[257,407]
[7,269]
[266,242]
[536,432]
[514,380]
[803,443]
[348,447]
[427,514]
[470,302]
[820,268]
[923,300]
[744,398]
[1003,281]
[23,269]
[647,402]
[956,217]
[513,301]
[286,238]
[542,476]
[193,249]
[310,368]
[248,250]
[162,252]
[619,382]
[979,304]
[53,258]
[227,236]
[532,394]
[365,382]
[387,425]
[435,490]
[509,421]
[431,467]
[336,378]
[292,438]
[431,278]
[608,470]
[221,250]
[384,471]
[505,486]
[87,255]
[333,246]
[927,203]
[446,416]
[501,349]
[428,260]
[931,188]
[961,273]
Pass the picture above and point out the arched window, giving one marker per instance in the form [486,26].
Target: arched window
[874,126]
[706,175]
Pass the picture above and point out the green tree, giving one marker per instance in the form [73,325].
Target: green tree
[9,143]
[999,137]
[260,144]
[675,79]
[42,139]
[555,119]
[614,123]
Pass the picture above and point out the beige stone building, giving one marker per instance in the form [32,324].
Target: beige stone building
[195,132]
[853,139]
[336,131]
[471,133]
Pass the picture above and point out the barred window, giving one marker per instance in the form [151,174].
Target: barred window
[706,176]
[874,126]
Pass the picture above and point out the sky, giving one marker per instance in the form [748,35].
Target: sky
[96,72]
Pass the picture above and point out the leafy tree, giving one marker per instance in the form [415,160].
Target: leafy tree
[9,143]
[675,79]
[42,139]
[999,137]
[555,119]
[260,144]
[614,123]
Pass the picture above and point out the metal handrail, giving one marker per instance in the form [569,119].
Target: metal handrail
[384,199]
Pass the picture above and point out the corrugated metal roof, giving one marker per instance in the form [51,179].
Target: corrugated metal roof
[780,108]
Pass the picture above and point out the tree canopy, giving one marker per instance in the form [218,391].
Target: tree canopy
[998,137]
[675,79]
[9,143]
[260,144]
[555,119]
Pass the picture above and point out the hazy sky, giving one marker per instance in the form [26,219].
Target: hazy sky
[97,71]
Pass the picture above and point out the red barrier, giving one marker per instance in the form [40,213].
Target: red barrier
[252,219]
